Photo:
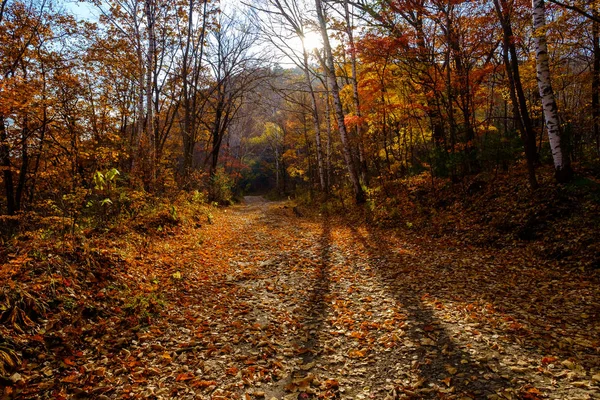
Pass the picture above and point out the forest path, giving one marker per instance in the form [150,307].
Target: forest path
[313,308]
[263,303]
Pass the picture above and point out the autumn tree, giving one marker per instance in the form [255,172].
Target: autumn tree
[359,193]
[192,39]
[147,28]
[504,11]
[31,66]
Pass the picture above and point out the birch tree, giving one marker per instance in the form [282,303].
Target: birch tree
[562,165]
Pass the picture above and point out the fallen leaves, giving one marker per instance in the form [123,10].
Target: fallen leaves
[300,384]
[357,353]
[184,377]
[202,384]
[271,306]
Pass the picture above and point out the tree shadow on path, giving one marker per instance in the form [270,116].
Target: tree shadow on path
[321,289]
[308,347]
[432,353]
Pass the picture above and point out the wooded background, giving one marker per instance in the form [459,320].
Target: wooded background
[147,97]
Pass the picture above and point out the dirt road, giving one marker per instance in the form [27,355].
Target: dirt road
[263,303]
[313,308]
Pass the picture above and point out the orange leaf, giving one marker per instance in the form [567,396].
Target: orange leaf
[330,384]
[37,338]
[184,377]
[357,335]
[357,353]
[70,379]
[69,361]
[202,383]
[548,360]
[532,394]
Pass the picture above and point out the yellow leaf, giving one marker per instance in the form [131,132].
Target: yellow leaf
[451,370]
[357,353]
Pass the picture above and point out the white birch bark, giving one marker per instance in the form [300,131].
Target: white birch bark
[545,87]
[150,20]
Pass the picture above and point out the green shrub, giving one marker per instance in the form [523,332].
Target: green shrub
[221,187]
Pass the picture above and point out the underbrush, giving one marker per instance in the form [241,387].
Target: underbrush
[55,299]
[559,222]
[140,210]
[68,284]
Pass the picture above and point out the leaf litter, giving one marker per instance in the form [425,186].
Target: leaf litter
[263,303]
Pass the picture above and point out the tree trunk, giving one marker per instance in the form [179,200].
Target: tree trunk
[450,111]
[6,165]
[193,54]
[315,118]
[24,166]
[359,194]
[354,80]
[328,144]
[216,141]
[596,81]
[277,168]
[136,151]
[187,135]
[562,165]
[150,20]
[517,95]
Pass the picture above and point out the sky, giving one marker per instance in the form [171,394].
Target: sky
[82,10]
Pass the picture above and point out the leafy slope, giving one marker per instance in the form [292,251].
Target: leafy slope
[263,303]
[559,223]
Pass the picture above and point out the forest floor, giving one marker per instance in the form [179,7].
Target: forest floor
[268,302]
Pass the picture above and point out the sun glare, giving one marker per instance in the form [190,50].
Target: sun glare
[312,40]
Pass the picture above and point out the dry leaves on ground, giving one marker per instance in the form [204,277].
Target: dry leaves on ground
[263,303]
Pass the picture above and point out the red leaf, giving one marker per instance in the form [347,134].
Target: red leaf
[548,360]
